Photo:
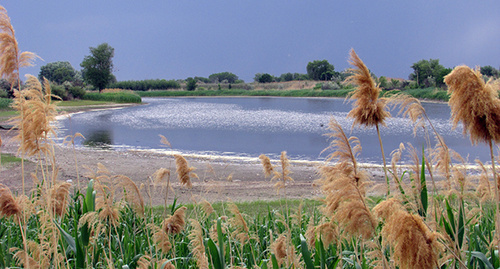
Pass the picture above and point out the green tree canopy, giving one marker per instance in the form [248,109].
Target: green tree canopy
[489,71]
[219,77]
[428,73]
[58,72]
[191,84]
[320,70]
[98,67]
[263,78]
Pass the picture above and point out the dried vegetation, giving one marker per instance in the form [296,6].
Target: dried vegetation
[110,224]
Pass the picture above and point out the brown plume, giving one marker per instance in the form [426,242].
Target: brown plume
[266,164]
[368,109]
[474,103]
[414,245]
[11,60]
[59,194]
[344,186]
[8,205]
[184,172]
[175,223]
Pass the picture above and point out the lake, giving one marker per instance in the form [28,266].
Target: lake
[245,127]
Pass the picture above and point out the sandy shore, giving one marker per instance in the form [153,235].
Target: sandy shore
[220,179]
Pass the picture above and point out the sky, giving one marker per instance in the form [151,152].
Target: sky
[186,38]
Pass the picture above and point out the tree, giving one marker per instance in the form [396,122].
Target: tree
[286,77]
[219,77]
[57,72]
[320,70]
[264,78]
[428,73]
[382,81]
[489,71]
[190,84]
[98,67]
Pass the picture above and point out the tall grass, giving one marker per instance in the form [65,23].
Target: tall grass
[111,224]
[117,97]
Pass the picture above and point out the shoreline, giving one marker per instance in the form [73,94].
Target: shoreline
[219,179]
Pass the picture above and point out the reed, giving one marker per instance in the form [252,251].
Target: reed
[368,109]
[110,226]
[476,104]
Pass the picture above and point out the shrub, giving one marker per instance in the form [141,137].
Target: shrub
[3,93]
[76,92]
[60,91]
[191,84]
[5,103]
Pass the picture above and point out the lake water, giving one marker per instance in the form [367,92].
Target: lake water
[248,127]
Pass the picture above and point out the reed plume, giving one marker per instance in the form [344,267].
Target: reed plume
[175,223]
[160,238]
[105,203]
[197,246]
[325,230]
[36,114]
[284,176]
[11,60]
[266,164]
[484,189]
[241,231]
[59,198]
[368,109]
[164,141]
[284,251]
[476,104]
[344,186]
[184,172]
[132,193]
[8,204]
[413,244]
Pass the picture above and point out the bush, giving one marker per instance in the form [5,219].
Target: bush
[76,92]
[60,91]
[3,93]
[191,84]
[5,103]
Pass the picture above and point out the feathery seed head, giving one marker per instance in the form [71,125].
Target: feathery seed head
[59,194]
[8,205]
[10,58]
[368,109]
[414,245]
[474,103]
[175,223]
[184,172]
[266,164]
[196,244]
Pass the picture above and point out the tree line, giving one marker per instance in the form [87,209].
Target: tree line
[97,74]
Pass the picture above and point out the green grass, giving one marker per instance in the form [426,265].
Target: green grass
[255,208]
[74,103]
[117,97]
[425,94]
[241,92]
[7,113]
[9,158]
[5,103]
[429,94]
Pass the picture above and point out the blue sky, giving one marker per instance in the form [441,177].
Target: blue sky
[179,39]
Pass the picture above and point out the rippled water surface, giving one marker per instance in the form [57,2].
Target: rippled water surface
[252,126]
